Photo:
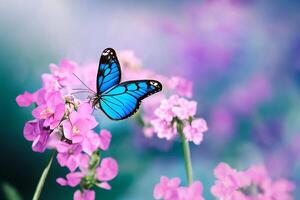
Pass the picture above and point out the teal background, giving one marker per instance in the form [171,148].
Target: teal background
[36,33]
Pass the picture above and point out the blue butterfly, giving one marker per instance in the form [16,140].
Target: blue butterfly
[119,100]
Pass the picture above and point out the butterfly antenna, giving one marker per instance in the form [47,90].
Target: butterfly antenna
[84,83]
[81,89]
[77,92]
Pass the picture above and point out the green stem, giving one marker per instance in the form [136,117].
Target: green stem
[42,180]
[186,154]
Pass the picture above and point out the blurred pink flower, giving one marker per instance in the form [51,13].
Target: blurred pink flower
[25,99]
[221,121]
[194,132]
[208,30]
[169,189]
[63,74]
[178,110]
[164,129]
[176,106]
[104,185]
[50,83]
[182,86]
[164,111]
[129,60]
[107,170]
[90,142]
[87,73]
[105,137]
[61,77]
[148,131]
[84,195]
[252,184]
[184,109]
[132,68]
[72,179]
[246,98]
[193,192]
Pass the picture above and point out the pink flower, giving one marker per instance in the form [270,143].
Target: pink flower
[105,137]
[173,85]
[34,131]
[91,142]
[193,192]
[252,184]
[107,170]
[63,74]
[166,189]
[85,195]
[50,83]
[148,132]
[176,106]
[129,60]
[222,122]
[183,87]
[24,100]
[72,179]
[177,110]
[164,111]
[169,189]
[245,98]
[68,155]
[60,77]
[79,123]
[281,189]
[194,132]
[52,111]
[88,75]
[164,129]
[184,109]
[60,117]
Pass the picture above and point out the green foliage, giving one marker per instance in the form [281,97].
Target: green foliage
[10,192]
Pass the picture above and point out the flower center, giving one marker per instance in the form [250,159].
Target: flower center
[46,113]
[70,151]
[75,130]
[252,190]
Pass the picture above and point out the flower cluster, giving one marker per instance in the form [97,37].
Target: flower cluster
[251,184]
[92,171]
[170,189]
[66,124]
[177,114]
[132,68]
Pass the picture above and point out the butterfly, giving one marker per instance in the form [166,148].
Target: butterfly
[119,100]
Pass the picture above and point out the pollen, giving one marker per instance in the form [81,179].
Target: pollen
[45,113]
[75,130]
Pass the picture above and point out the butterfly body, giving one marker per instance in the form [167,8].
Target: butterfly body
[119,100]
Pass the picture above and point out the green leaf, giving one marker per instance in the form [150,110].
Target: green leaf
[42,180]
[10,192]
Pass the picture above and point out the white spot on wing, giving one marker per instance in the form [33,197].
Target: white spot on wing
[153,83]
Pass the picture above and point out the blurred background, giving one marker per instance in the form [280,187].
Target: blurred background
[243,57]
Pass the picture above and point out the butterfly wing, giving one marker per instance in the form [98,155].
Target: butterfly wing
[123,100]
[109,72]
